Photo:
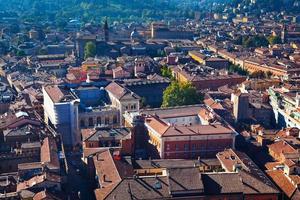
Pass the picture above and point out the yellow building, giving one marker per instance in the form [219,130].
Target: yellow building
[200,58]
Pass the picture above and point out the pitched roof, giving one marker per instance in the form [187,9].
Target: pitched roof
[222,183]
[119,91]
[141,188]
[37,180]
[57,94]
[165,129]
[54,93]
[249,172]
[49,153]
[110,172]
[96,135]
[212,103]
[186,180]
[256,185]
[174,163]
[282,182]
[45,195]
[172,112]
[282,147]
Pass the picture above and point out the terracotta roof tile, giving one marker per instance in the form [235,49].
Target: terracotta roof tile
[54,93]
[272,165]
[166,129]
[49,153]
[110,172]
[282,147]
[119,91]
[282,182]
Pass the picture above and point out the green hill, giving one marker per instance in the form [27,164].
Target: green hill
[95,10]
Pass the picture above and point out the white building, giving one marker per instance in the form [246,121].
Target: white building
[61,112]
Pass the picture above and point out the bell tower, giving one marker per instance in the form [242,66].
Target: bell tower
[106,30]
[283,34]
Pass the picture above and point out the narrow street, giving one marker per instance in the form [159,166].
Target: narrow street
[78,185]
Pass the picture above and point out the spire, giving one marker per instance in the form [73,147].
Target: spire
[106,30]
[105,24]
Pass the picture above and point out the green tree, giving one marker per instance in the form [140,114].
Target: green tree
[20,53]
[274,39]
[238,40]
[258,74]
[89,50]
[166,72]
[179,94]
[255,41]
[43,51]
[269,74]
[61,24]
[238,69]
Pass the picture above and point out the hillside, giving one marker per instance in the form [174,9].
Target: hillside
[256,6]
[95,10]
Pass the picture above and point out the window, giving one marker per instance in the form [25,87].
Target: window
[115,119]
[99,120]
[82,124]
[186,147]
[91,122]
[193,147]
[168,147]
[176,147]
[106,120]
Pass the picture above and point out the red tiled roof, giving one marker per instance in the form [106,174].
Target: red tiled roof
[282,182]
[54,93]
[212,104]
[110,172]
[118,91]
[37,180]
[271,165]
[281,147]
[165,129]
[49,154]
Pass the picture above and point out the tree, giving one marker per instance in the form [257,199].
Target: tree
[238,40]
[61,24]
[20,53]
[179,94]
[43,51]
[255,41]
[258,75]
[274,39]
[166,72]
[89,50]
[238,69]
[269,74]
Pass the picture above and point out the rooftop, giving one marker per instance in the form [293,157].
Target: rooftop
[165,129]
[57,94]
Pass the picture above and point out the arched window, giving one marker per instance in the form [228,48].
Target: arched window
[115,119]
[91,122]
[106,120]
[82,124]
[99,120]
